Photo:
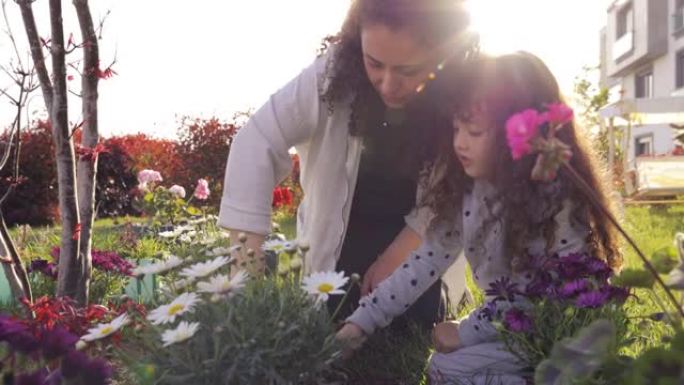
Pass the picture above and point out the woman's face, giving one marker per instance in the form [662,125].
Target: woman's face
[396,63]
[474,144]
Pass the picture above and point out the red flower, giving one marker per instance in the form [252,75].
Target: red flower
[282,196]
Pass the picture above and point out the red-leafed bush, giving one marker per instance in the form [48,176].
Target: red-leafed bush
[203,146]
[34,200]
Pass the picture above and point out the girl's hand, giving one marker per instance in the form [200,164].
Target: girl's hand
[352,337]
[445,337]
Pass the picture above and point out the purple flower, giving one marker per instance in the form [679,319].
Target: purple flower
[92,371]
[614,293]
[111,262]
[9,327]
[73,363]
[502,289]
[488,311]
[23,342]
[599,269]
[44,267]
[540,286]
[97,372]
[517,321]
[57,342]
[573,266]
[36,378]
[573,288]
[592,299]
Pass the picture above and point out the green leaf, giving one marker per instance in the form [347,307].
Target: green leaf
[578,356]
[634,278]
[665,259]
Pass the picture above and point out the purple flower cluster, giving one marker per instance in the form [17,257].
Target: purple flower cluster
[52,344]
[575,280]
[112,262]
[108,261]
[43,266]
[579,278]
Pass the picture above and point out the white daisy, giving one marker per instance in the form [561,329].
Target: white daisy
[219,251]
[275,245]
[103,330]
[181,333]
[221,284]
[324,283]
[167,313]
[158,267]
[167,234]
[183,283]
[202,269]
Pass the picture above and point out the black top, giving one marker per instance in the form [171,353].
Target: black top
[385,192]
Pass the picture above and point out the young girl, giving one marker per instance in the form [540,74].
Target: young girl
[487,206]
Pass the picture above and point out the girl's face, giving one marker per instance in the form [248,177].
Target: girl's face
[395,62]
[474,144]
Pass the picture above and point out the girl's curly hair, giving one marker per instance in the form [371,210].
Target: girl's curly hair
[506,85]
[433,22]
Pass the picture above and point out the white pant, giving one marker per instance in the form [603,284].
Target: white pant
[482,364]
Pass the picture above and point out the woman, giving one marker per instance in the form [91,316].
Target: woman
[349,116]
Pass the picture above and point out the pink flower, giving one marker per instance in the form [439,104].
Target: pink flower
[202,189]
[146,176]
[177,190]
[521,129]
[559,113]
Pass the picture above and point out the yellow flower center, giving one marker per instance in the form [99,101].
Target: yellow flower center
[175,309]
[325,288]
[106,330]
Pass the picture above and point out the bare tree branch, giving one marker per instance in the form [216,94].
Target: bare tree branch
[36,49]
[9,32]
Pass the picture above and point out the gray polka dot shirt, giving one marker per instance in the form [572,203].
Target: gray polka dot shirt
[477,232]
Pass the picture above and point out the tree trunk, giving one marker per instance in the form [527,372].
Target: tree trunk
[70,280]
[87,164]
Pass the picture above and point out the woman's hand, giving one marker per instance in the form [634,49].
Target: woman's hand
[352,337]
[445,337]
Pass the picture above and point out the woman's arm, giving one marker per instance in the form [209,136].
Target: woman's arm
[259,156]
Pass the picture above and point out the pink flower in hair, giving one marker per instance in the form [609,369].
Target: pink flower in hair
[521,129]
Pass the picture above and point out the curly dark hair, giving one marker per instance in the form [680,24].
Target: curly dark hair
[506,85]
[434,22]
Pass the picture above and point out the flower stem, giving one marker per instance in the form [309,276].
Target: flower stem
[592,196]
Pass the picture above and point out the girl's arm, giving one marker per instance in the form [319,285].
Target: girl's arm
[395,294]
[396,253]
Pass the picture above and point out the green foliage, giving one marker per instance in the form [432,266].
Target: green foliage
[271,333]
[390,356]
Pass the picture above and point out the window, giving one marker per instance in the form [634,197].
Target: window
[678,17]
[644,84]
[624,21]
[679,67]
[643,145]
